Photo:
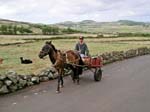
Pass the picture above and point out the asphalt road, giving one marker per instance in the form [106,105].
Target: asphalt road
[125,87]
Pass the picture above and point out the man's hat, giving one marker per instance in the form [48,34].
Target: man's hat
[81,37]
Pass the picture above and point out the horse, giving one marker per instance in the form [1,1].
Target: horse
[61,60]
[74,62]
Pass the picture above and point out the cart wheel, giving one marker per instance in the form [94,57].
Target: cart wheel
[98,74]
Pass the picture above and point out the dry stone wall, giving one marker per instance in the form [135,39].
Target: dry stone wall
[11,81]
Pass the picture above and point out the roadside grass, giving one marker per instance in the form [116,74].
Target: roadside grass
[12,53]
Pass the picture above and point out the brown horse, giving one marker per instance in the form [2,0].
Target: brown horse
[73,59]
[61,60]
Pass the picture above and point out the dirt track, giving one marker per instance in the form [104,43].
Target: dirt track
[125,87]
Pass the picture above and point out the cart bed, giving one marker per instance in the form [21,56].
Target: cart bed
[93,62]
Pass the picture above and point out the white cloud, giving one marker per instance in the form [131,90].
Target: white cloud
[49,11]
[4,10]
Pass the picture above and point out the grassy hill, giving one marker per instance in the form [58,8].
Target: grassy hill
[34,27]
[121,26]
[8,26]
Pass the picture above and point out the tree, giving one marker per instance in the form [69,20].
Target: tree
[10,30]
[55,30]
[15,30]
[48,30]
[4,29]
[23,30]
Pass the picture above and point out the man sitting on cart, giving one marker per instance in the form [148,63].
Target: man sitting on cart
[82,48]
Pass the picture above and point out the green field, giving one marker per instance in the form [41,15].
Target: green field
[11,53]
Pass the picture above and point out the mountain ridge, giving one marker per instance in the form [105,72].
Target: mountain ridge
[89,25]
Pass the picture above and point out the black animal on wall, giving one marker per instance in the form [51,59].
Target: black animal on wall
[25,61]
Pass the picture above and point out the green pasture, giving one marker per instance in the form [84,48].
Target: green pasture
[12,53]
[111,28]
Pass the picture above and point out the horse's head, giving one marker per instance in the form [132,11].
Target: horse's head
[46,49]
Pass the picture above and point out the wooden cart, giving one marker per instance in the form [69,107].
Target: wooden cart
[94,63]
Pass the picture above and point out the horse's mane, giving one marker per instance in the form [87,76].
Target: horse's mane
[54,47]
[50,43]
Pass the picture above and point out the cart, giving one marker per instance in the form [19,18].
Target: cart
[94,64]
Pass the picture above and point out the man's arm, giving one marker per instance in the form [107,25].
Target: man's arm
[76,47]
[86,50]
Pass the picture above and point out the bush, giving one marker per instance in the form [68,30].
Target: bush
[13,30]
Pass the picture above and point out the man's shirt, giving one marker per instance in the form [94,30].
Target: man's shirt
[82,48]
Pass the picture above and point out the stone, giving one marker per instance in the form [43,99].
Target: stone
[53,70]
[106,62]
[131,53]
[48,73]
[106,56]
[43,79]
[51,75]
[2,77]
[35,80]
[43,73]
[4,89]
[143,51]
[55,75]
[27,77]
[117,55]
[22,83]
[12,76]
[1,84]
[8,82]
[29,83]
[13,87]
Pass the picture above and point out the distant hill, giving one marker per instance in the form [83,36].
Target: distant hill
[107,27]
[5,21]
[36,28]
[131,23]
[91,22]
[91,26]
[18,27]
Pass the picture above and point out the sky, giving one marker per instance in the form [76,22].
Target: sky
[54,11]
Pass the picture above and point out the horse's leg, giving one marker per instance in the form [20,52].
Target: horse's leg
[62,82]
[74,75]
[77,75]
[59,79]
[58,86]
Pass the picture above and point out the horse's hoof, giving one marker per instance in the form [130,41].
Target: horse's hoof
[58,92]
[61,86]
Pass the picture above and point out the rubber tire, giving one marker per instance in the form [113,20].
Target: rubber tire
[98,74]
